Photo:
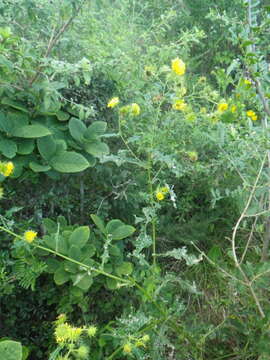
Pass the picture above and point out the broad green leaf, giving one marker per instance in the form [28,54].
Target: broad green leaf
[82,280]
[61,276]
[52,265]
[70,267]
[31,131]
[69,162]
[115,251]
[57,243]
[38,167]
[61,147]
[25,146]
[125,268]
[123,232]
[8,148]
[99,223]
[77,129]
[89,250]
[50,225]
[10,350]
[46,147]
[112,284]
[75,253]
[90,158]
[96,148]
[80,236]
[96,129]
[14,104]
[62,116]
[113,225]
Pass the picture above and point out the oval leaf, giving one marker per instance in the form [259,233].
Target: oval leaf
[69,162]
[79,236]
[31,131]
[122,232]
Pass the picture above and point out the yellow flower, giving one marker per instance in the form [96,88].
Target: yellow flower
[178,66]
[247,82]
[179,105]
[30,236]
[222,107]
[164,189]
[135,109]
[203,110]
[127,349]
[160,196]
[145,338]
[252,115]
[91,331]
[113,102]
[193,155]
[233,108]
[8,168]
[62,333]
[202,79]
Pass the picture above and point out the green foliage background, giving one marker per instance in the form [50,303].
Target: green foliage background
[166,268]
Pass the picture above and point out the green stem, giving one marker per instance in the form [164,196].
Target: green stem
[151,192]
[98,271]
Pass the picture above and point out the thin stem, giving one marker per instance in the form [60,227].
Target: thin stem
[151,192]
[90,268]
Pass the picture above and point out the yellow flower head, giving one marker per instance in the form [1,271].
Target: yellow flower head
[113,102]
[164,189]
[135,109]
[30,236]
[203,110]
[233,108]
[251,114]
[222,107]
[127,349]
[247,82]
[178,66]
[91,331]
[62,333]
[7,168]
[160,196]
[145,338]
[193,155]
[179,105]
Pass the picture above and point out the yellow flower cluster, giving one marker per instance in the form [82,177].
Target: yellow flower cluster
[251,114]
[7,168]
[161,192]
[66,333]
[91,331]
[179,105]
[178,66]
[29,236]
[233,108]
[135,109]
[222,107]
[113,102]
[140,342]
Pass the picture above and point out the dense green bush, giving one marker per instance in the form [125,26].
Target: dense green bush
[173,262]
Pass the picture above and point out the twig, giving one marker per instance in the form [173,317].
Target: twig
[54,39]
